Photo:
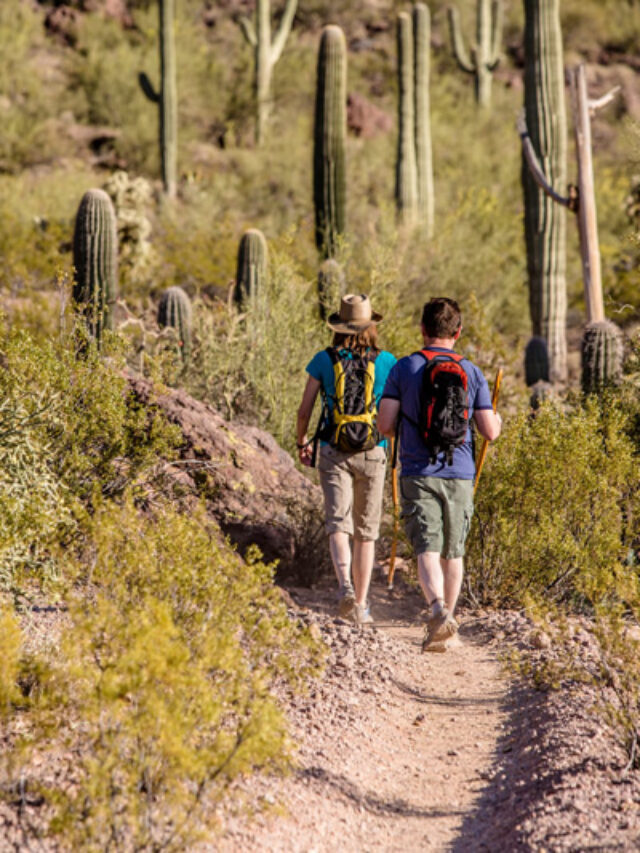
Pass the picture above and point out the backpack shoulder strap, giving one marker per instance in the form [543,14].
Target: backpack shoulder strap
[431,354]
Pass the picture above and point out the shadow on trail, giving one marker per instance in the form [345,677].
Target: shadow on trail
[481,702]
[371,802]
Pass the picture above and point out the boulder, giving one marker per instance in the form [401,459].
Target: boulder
[250,485]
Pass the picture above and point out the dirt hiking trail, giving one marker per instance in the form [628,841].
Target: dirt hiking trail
[404,751]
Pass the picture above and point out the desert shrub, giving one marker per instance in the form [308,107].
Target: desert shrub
[557,507]
[167,679]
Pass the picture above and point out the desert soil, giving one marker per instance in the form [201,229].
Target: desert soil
[404,751]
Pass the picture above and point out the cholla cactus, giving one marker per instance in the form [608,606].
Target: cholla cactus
[329,140]
[536,361]
[485,54]
[251,273]
[331,286]
[174,311]
[131,198]
[95,259]
[601,356]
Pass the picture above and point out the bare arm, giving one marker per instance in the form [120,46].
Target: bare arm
[489,423]
[304,416]
[388,412]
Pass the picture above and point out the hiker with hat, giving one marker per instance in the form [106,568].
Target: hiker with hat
[429,399]
[350,375]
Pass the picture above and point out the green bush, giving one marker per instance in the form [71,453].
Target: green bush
[167,680]
[556,508]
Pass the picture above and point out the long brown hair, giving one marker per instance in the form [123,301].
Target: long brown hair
[359,342]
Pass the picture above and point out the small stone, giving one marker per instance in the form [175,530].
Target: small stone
[540,639]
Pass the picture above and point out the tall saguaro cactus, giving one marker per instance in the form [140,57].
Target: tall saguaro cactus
[166,97]
[95,259]
[406,170]
[266,54]
[329,140]
[544,221]
[424,157]
[251,271]
[485,54]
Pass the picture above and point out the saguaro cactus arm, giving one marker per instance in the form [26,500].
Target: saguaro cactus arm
[457,39]
[497,22]
[537,172]
[284,29]
[147,87]
[248,31]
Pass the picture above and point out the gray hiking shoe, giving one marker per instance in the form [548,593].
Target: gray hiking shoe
[346,601]
[362,615]
[439,628]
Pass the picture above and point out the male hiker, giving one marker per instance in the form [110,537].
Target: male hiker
[351,375]
[429,398]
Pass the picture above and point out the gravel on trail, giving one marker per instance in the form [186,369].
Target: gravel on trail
[404,751]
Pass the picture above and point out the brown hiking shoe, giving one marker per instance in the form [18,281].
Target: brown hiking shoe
[439,628]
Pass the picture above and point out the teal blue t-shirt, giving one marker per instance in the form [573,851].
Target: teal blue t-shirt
[321,368]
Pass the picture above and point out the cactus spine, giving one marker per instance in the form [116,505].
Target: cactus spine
[406,170]
[601,356]
[485,54]
[536,361]
[174,311]
[166,98]
[266,55]
[424,160]
[95,259]
[331,286]
[251,272]
[329,140]
[545,222]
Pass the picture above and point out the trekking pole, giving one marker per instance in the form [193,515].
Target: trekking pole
[396,515]
[485,441]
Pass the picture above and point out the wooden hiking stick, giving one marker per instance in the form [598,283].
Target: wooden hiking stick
[485,442]
[396,517]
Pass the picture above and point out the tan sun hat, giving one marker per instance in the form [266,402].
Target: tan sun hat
[355,315]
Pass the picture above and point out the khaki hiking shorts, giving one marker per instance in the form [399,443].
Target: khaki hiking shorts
[437,514]
[352,485]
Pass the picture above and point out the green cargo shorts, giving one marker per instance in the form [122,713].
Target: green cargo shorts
[437,514]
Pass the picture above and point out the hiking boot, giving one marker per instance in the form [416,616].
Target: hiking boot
[439,628]
[438,646]
[362,615]
[346,601]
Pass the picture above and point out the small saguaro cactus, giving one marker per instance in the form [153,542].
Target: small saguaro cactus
[95,259]
[424,159]
[485,54]
[166,97]
[601,356]
[174,311]
[251,273]
[331,286]
[329,140]
[536,361]
[266,54]
[406,171]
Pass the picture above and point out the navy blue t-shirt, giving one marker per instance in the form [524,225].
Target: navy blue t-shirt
[403,384]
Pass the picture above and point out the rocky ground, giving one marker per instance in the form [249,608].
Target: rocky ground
[400,750]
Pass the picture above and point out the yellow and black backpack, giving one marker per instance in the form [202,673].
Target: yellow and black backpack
[349,423]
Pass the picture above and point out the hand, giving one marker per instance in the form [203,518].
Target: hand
[305,454]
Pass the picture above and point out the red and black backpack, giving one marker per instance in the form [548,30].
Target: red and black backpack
[444,403]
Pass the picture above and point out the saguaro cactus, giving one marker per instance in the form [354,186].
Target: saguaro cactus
[331,286]
[174,311]
[95,259]
[166,98]
[406,170]
[251,272]
[545,222]
[329,140]
[536,361]
[485,54]
[601,356]
[266,54]
[424,159]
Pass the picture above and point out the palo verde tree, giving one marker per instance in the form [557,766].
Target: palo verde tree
[266,54]
[485,54]
[166,97]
